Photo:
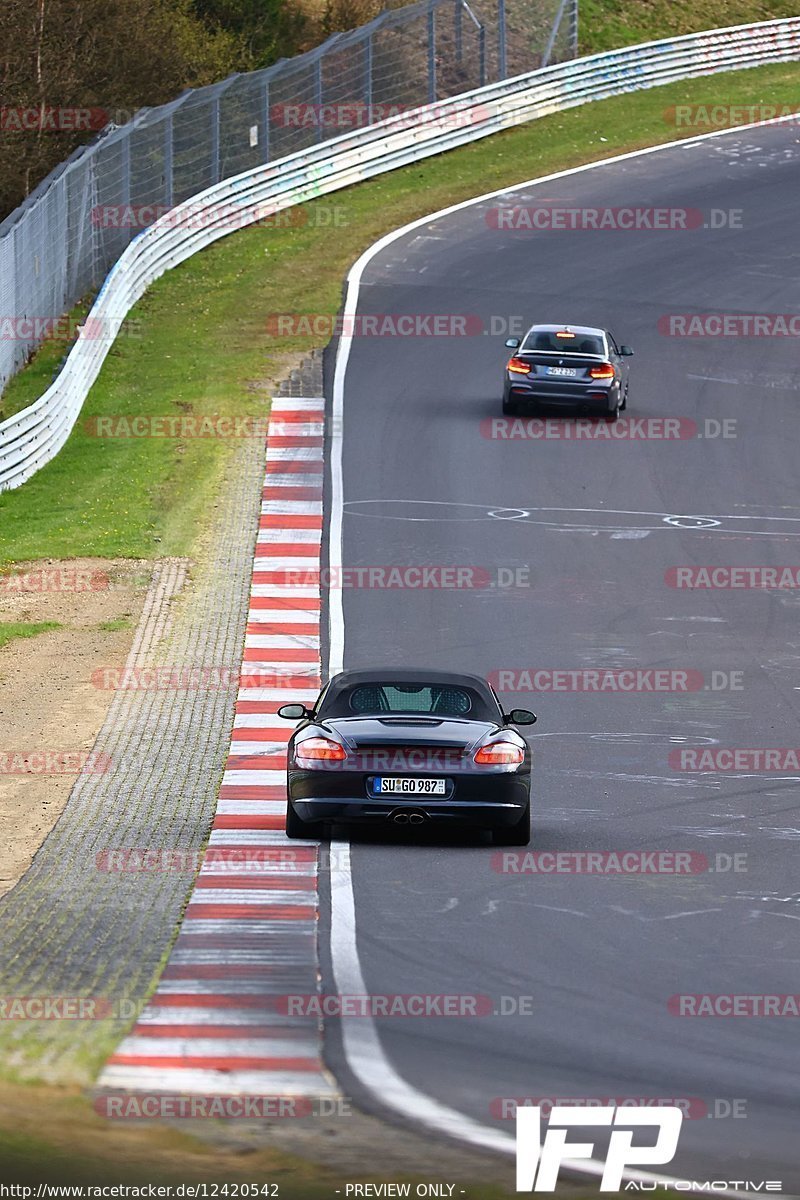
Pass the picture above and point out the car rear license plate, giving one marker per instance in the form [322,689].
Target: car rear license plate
[570,371]
[388,785]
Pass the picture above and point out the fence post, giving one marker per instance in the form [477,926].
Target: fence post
[482,54]
[431,53]
[501,39]
[215,165]
[125,186]
[573,28]
[318,95]
[459,48]
[168,161]
[266,123]
[368,76]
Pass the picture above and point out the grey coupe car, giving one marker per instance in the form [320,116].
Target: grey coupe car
[575,367]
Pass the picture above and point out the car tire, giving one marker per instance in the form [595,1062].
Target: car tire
[518,834]
[624,404]
[614,414]
[297,828]
[510,408]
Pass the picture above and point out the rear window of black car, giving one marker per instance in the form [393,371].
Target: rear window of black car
[405,698]
[408,700]
[552,343]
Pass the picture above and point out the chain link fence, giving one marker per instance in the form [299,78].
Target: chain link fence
[61,242]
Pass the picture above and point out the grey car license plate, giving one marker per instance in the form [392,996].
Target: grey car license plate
[384,785]
[568,371]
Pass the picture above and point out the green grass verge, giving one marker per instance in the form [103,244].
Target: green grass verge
[203,346]
[608,24]
[23,629]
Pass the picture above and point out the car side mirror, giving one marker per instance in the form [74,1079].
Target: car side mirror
[512,343]
[625,351]
[293,712]
[520,716]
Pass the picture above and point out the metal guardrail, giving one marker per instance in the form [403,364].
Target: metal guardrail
[34,436]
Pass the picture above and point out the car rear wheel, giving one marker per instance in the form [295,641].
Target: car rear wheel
[518,834]
[510,408]
[613,415]
[297,828]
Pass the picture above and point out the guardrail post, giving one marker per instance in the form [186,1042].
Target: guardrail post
[431,53]
[502,71]
[215,165]
[168,161]
[573,28]
[459,47]
[482,54]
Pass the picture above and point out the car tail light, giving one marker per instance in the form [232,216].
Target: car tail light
[565,333]
[603,371]
[320,749]
[519,366]
[500,754]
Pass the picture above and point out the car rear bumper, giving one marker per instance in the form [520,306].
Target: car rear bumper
[597,399]
[481,802]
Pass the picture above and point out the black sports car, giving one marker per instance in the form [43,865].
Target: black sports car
[567,366]
[410,747]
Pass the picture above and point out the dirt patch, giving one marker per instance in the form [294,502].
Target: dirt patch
[50,713]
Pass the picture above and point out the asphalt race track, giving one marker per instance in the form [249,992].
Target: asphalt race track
[591,529]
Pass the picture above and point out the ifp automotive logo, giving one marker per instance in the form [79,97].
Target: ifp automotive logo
[539,1162]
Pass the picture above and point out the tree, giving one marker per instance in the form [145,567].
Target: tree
[60,58]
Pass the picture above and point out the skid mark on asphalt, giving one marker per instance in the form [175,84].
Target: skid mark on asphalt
[219,1021]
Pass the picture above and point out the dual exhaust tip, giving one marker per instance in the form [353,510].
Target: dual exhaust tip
[408,818]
